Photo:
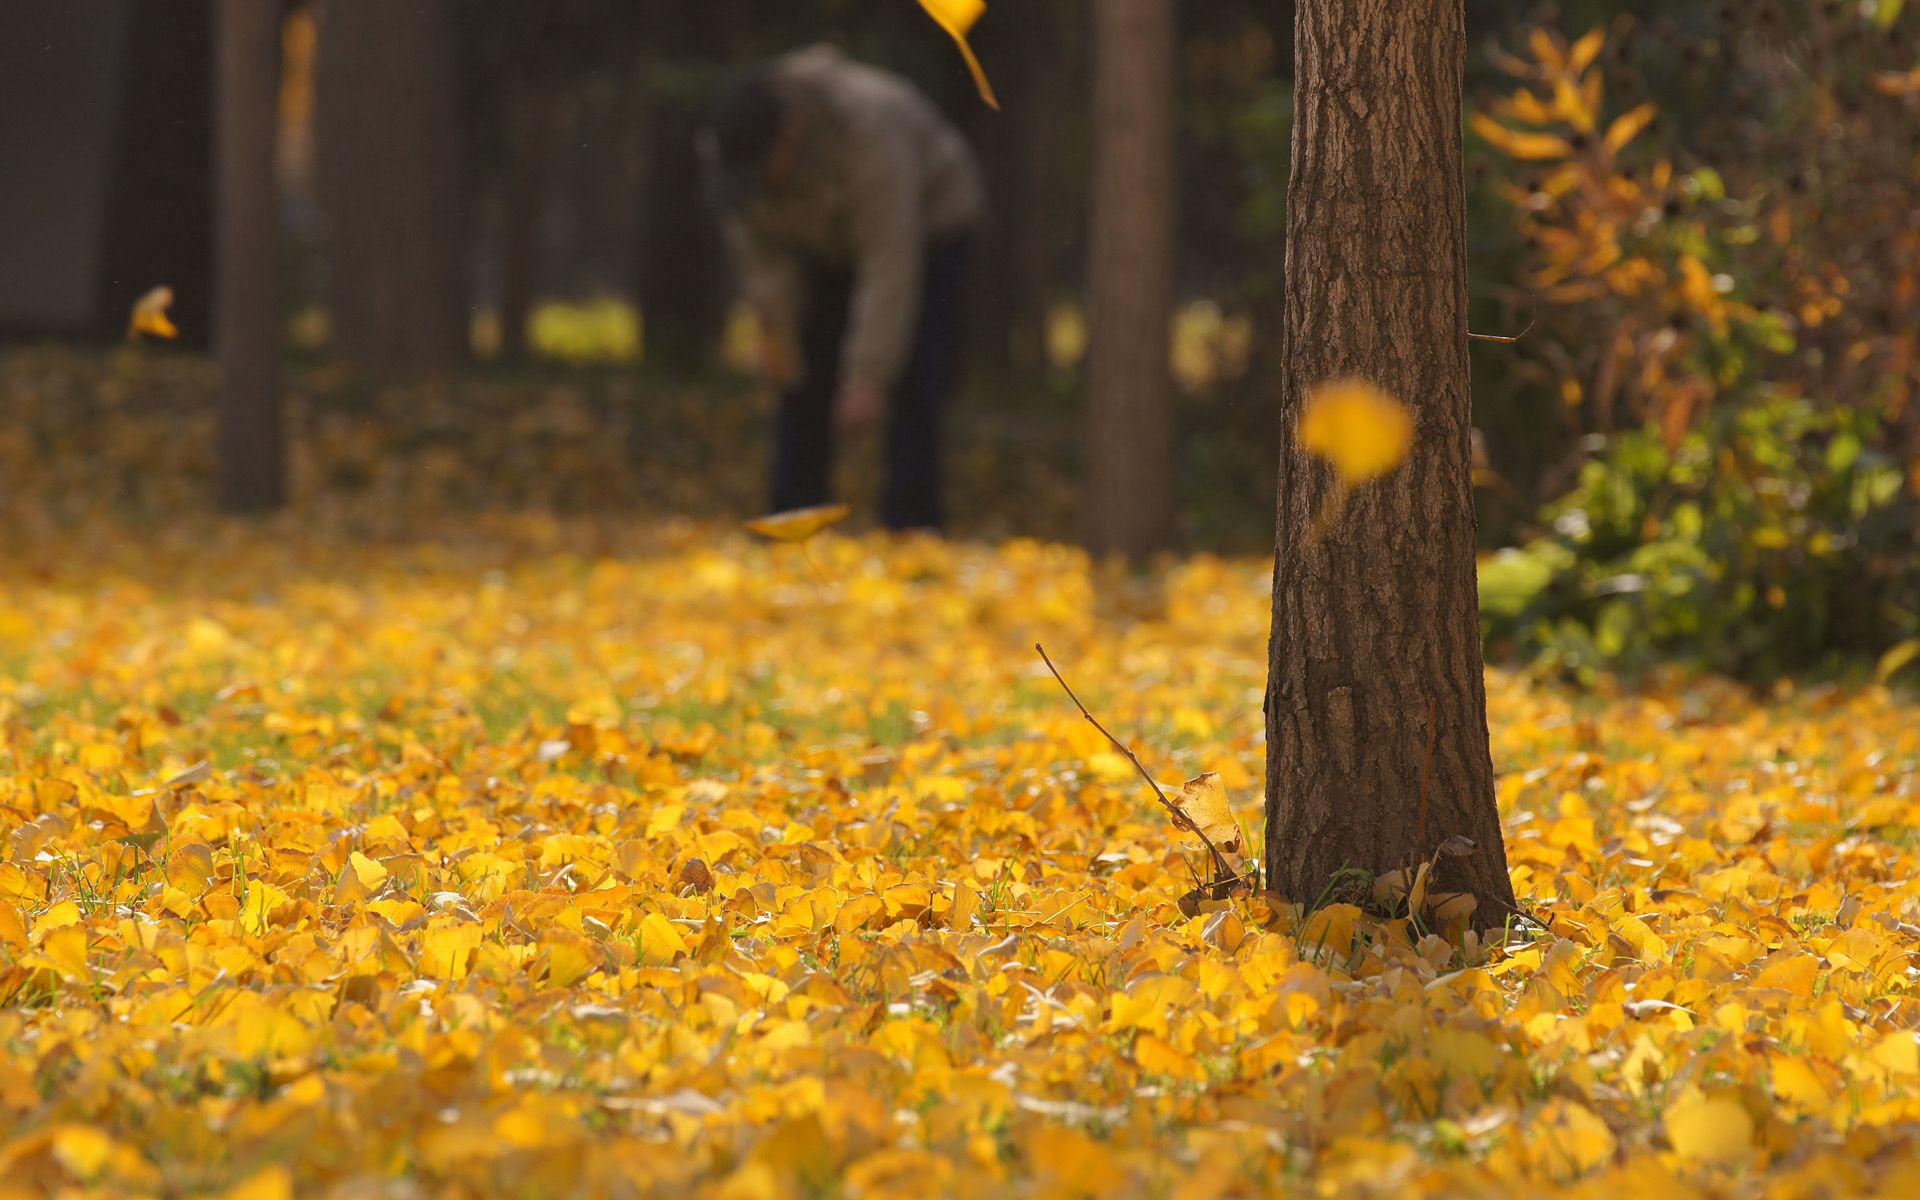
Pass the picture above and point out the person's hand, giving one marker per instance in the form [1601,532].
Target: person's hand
[777,365]
[857,408]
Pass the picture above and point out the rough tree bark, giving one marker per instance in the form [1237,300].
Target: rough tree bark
[1129,437]
[251,455]
[392,181]
[1376,630]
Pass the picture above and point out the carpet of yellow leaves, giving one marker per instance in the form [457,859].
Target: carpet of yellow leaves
[544,859]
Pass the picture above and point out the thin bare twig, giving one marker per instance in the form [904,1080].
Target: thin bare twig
[1223,872]
[1532,316]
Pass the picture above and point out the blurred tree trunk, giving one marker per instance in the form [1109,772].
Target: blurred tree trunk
[159,207]
[681,281]
[392,181]
[1129,436]
[1035,222]
[251,456]
[1376,698]
[528,129]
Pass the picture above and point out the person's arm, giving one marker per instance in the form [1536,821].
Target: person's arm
[888,269]
[770,284]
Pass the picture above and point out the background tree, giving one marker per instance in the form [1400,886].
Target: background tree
[683,284]
[1033,238]
[1376,698]
[251,454]
[1129,432]
[393,189]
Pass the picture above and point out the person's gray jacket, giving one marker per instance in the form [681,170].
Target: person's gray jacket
[879,175]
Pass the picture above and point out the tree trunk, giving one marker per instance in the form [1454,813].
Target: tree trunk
[252,461]
[1031,242]
[522,193]
[683,298]
[1129,436]
[392,183]
[1375,654]
[159,200]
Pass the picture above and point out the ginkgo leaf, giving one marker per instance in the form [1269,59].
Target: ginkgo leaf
[1203,800]
[1360,431]
[1716,1130]
[369,872]
[798,524]
[957,17]
[150,314]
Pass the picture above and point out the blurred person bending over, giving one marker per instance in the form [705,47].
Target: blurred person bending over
[848,203]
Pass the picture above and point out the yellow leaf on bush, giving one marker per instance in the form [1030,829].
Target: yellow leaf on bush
[1519,143]
[1627,126]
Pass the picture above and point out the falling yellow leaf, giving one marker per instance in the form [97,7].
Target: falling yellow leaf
[150,315]
[1360,431]
[798,524]
[957,17]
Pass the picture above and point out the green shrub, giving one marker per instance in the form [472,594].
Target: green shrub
[1773,538]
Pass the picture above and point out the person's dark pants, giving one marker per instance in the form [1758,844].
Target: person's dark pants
[803,429]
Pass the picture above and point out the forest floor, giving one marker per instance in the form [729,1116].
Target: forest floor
[532,855]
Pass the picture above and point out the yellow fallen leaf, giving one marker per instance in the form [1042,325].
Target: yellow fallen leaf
[1203,800]
[660,940]
[371,874]
[1157,1056]
[1793,972]
[150,315]
[82,1149]
[798,524]
[262,899]
[1710,1130]
[1360,431]
[271,1183]
[957,17]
